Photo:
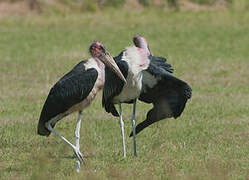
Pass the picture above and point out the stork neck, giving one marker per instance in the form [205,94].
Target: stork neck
[101,67]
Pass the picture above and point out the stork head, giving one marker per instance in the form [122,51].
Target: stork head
[99,52]
[140,42]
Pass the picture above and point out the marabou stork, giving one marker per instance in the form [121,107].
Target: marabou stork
[132,62]
[149,79]
[167,93]
[75,91]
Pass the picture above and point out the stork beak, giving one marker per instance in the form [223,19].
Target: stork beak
[108,60]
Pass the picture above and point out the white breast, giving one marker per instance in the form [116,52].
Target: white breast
[99,66]
[137,61]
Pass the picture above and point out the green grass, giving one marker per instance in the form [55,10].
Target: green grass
[209,50]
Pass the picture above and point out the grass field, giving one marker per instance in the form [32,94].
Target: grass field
[209,50]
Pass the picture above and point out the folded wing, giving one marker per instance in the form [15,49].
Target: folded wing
[71,89]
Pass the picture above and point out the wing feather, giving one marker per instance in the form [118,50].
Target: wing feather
[168,95]
[71,89]
[113,85]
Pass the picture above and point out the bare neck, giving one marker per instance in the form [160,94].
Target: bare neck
[101,67]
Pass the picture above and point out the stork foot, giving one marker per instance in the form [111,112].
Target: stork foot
[79,155]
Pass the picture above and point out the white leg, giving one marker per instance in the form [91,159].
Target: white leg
[77,139]
[76,151]
[133,122]
[122,128]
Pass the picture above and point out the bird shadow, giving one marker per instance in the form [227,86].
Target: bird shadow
[74,157]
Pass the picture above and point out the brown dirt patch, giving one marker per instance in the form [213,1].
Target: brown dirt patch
[187,5]
[14,9]
[27,7]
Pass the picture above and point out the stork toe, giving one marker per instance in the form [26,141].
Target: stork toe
[79,155]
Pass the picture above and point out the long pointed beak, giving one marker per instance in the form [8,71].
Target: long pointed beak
[109,61]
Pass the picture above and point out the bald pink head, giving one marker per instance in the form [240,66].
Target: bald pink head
[96,49]
[99,52]
[140,42]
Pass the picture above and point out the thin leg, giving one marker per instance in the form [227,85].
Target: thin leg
[77,139]
[133,122]
[122,128]
[77,131]
[76,151]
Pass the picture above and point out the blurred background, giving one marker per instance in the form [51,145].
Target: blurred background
[18,7]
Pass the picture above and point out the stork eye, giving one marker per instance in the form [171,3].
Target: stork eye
[102,49]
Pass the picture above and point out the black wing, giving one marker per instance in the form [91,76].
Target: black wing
[113,85]
[160,62]
[167,93]
[71,89]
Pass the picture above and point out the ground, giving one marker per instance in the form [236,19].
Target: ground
[209,50]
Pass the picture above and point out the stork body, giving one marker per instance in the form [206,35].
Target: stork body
[150,80]
[167,93]
[136,61]
[74,92]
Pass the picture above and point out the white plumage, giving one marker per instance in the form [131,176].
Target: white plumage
[137,61]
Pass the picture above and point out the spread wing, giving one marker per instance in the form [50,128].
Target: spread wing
[167,93]
[161,63]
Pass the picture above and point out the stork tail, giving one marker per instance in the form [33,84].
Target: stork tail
[42,130]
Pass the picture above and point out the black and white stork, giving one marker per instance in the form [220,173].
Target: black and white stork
[132,62]
[75,91]
[168,94]
[149,79]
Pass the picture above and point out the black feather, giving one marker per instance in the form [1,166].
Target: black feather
[169,95]
[71,89]
[158,59]
[160,62]
[113,85]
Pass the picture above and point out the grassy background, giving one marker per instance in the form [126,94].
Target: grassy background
[209,50]
[17,7]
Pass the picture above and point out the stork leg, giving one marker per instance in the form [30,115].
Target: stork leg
[133,122]
[76,151]
[122,128]
[77,139]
